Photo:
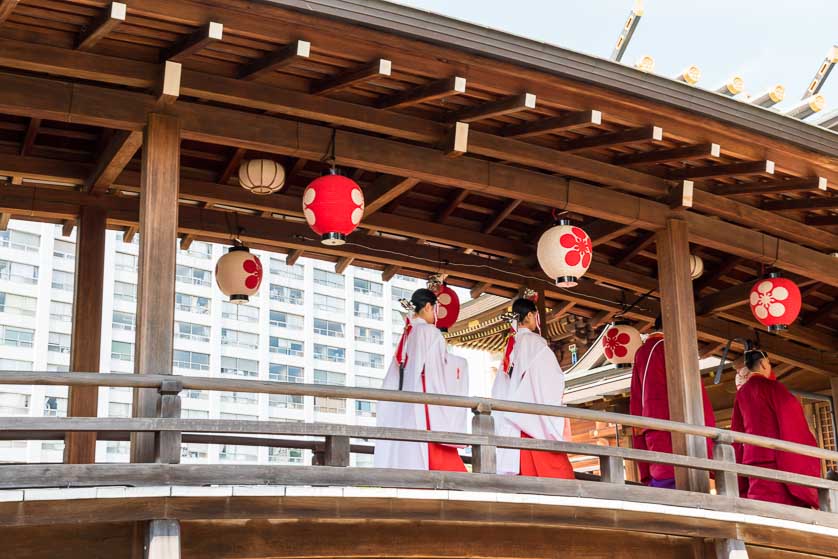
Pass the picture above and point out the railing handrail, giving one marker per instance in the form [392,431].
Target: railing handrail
[378,394]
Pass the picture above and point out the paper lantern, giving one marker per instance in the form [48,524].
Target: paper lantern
[333,206]
[238,274]
[261,176]
[620,343]
[775,302]
[565,253]
[449,307]
[696,266]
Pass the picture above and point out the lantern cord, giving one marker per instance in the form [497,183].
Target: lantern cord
[330,155]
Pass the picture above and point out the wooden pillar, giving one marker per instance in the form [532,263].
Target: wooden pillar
[163,540]
[834,382]
[80,448]
[156,286]
[683,379]
[483,457]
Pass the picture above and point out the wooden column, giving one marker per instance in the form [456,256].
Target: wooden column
[683,379]
[156,286]
[834,381]
[80,448]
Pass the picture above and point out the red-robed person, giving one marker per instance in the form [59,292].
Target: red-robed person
[531,374]
[765,407]
[649,398]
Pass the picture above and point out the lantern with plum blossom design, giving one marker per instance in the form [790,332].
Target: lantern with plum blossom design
[333,206]
[238,274]
[565,253]
[775,302]
[449,307]
[620,343]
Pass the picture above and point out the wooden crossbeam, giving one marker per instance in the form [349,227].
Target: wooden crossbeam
[602,231]
[194,43]
[822,220]
[389,271]
[551,125]
[342,264]
[186,242]
[492,109]
[433,91]
[31,134]
[775,187]
[819,203]
[114,158]
[501,216]
[286,56]
[380,67]
[384,190]
[742,169]
[452,206]
[687,153]
[111,17]
[824,312]
[645,239]
[723,300]
[611,139]
[128,234]
[293,256]
[479,289]
[727,265]
[6,9]
[4,220]
[67,227]
[232,166]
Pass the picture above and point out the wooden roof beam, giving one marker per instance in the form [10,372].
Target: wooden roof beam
[114,158]
[505,106]
[602,231]
[6,9]
[389,271]
[452,205]
[455,143]
[111,17]
[611,139]
[825,311]
[551,125]
[822,220]
[232,166]
[194,43]
[129,233]
[5,217]
[380,67]
[433,91]
[782,186]
[293,256]
[31,134]
[725,267]
[286,56]
[741,169]
[384,190]
[645,239]
[819,203]
[479,289]
[501,216]
[687,153]
[723,300]
[343,263]
[185,242]
[67,227]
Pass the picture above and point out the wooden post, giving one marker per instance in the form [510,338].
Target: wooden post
[727,483]
[158,247]
[80,448]
[336,452]
[167,445]
[828,499]
[612,469]
[683,379]
[483,457]
[731,549]
[834,383]
[163,540]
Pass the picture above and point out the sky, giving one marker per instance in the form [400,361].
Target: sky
[765,41]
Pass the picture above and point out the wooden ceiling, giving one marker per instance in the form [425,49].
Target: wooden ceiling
[462,157]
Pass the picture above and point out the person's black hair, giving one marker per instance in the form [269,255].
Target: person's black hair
[522,307]
[832,474]
[422,297]
[753,357]
[658,323]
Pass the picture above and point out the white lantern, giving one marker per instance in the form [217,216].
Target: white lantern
[565,253]
[238,274]
[696,266]
[261,176]
[620,343]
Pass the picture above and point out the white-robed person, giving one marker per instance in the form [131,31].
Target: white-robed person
[419,365]
[530,373]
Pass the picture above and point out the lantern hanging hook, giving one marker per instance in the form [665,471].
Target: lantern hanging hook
[557,214]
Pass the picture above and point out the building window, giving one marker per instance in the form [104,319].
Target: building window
[285,455]
[285,401]
[362,381]
[20,240]
[286,294]
[243,313]
[329,405]
[397,293]
[367,287]
[365,310]
[199,249]
[118,448]
[329,304]
[194,451]
[285,373]
[16,337]
[283,270]
[56,368]
[244,398]
[369,335]
[371,360]
[55,406]
[328,279]
[192,303]
[14,404]
[328,328]
[17,304]
[329,353]
[239,367]
[15,365]
[286,346]
[191,360]
[122,351]
[63,280]
[192,331]
[124,321]
[125,262]
[59,342]
[194,276]
[118,409]
[64,250]
[364,408]
[194,414]
[18,273]
[238,453]
[237,338]
[195,394]
[286,320]
[402,277]
[61,312]
[238,416]
[329,377]
[124,291]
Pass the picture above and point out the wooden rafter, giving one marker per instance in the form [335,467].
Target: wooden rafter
[186,242]
[6,9]
[111,17]
[452,205]
[232,166]
[479,289]
[501,216]
[384,190]
[389,271]
[710,277]
[774,187]
[819,203]
[742,169]
[723,300]
[602,231]
[433,91]
[644,240]
[67,227]
[342,264]
[375,69]
[195,43]
[114,158]
[31,134]
[492,109]
[293,256]
[611,139]
[825,311]
[286,56]
[4,220]
[129,233]
[687,153]
[830,220]
[570,121]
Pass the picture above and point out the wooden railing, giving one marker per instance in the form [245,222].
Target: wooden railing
[170,430]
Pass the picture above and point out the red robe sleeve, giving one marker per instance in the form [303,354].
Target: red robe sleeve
[794,428]
[737,424]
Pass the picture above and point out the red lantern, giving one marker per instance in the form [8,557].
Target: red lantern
[620,343]
[775,302]
[565,253]
[333,206]
[238,274]
[449,307]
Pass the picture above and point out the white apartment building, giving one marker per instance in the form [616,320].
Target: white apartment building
[308,324]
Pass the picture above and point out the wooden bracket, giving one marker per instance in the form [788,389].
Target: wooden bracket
[681,196]
[336,451]
[456,142]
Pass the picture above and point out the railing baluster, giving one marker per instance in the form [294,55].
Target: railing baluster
[612,469]
[167,447]
[483,457]
[828,499]
[726,482]
[336,452]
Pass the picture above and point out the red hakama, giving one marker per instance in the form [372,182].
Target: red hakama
[538,463]
[441,457]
